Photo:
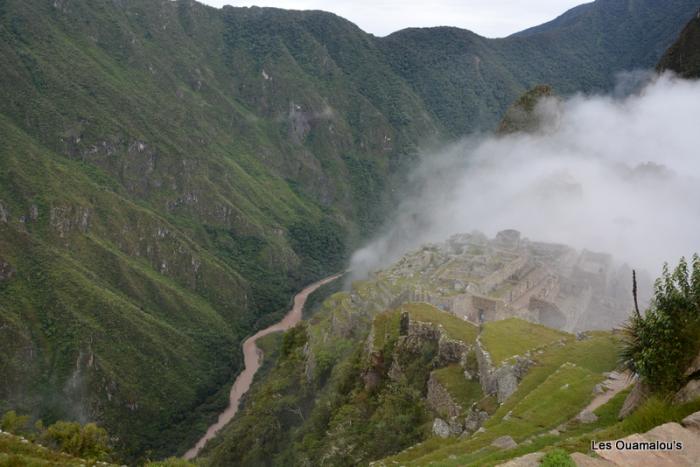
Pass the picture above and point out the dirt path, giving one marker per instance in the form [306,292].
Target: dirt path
[252,357]
[615,383]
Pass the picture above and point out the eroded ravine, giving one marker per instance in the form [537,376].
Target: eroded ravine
[252,356]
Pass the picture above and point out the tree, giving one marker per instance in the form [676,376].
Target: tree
[660,345]
[89,441]
[13,423]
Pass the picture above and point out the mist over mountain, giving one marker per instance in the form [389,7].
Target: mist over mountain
[612,174]
[171,173]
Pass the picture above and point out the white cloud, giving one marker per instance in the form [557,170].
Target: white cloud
[613,174]
[490,18]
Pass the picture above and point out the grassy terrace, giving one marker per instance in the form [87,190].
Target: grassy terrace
[509,337]
[455,327]
[463,391]
[552,393]
[386,325]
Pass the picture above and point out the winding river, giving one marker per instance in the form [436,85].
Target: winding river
[252,356]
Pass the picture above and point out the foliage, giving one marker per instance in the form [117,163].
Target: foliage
[13,423]
[552,392]
[521,115]
[171,462]
[88,441]
[661,343]
[81,441]
[163,198]
[557,458]
[321,245]
[468,81]
[683,57]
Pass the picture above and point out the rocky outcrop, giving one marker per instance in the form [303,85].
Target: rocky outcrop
[528,460]
[693,368]
[640,392]
[445,429]
[6,270]
[582,460]
[587,416]
[4,215]
[420,332]
[414,334]
[689,392]
[451,350]
[504,442]
[65,219]
[475,419]
[666,451]
[501,381]
[692,422]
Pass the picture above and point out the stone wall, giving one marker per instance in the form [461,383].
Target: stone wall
[485,309]
[547,313]
[495,279]
[502,381]
[440,400]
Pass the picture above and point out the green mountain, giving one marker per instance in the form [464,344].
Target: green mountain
[170,173]
[468,81]
[473,351]
[684,55]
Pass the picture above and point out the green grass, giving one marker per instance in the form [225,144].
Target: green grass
[557,458]
[16,451]
[655,411]
[541,402]
[454,327]
[203,234]
[386,329]
[506,338]
[463,391]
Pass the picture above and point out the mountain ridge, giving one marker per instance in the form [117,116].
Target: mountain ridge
[170,173]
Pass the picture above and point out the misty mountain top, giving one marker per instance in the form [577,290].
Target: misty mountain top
[606,173]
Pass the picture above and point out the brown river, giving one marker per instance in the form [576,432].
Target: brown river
[252,357]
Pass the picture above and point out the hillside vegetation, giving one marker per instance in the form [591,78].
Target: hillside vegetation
[171,173]
[683,57]
[374,374]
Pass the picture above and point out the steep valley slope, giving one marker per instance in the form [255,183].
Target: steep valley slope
[443,342]
[443,359]
[171,173]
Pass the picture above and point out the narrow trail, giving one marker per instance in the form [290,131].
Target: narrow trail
[615,383]
[252,356]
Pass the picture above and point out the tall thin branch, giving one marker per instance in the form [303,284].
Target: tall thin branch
[634,293]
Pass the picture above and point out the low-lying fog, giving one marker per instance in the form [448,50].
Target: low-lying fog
[613,174]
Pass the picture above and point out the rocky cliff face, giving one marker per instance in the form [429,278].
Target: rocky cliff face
[503,380]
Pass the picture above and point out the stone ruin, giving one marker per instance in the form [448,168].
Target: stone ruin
[482,279]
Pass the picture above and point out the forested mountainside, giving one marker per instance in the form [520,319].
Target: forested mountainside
[170,173]
[684,56]
[467,81]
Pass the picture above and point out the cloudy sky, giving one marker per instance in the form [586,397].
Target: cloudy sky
[490,18]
